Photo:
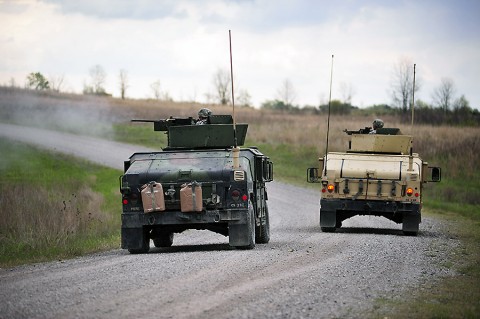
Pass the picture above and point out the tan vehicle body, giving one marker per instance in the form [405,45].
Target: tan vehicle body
[378,175]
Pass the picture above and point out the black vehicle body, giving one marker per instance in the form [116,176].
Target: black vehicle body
[232,182]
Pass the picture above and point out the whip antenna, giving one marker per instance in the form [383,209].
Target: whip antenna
[236,149]
[413,98]
[233,96]
[328,119]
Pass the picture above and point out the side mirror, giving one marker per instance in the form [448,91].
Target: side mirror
[436,174]
[312,175]
[267,171]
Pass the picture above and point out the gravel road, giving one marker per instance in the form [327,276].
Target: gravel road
[301,273]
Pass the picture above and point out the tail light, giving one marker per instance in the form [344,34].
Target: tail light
[330,188]
[130,198]
[236,195]
[409,191]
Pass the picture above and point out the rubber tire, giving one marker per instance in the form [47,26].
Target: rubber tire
[262,233]
[164,240]
[145,245]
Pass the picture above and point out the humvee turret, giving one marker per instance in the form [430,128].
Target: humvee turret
[201,180]
[378,175]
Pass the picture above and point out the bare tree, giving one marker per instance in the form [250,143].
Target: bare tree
[98,76]
[402,83]
[244,98]
[286,93]
[461,103]
[123,82]
[443,95]
[221,81]
[56,82]
[155,87]
[346,91]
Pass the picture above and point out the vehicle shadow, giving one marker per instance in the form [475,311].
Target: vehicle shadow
[369,230]
[190,248]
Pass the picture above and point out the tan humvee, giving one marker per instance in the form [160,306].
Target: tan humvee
[378,175]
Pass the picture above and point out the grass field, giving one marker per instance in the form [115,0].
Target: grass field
[293,142]
[54,206]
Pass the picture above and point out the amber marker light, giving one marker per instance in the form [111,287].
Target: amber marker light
[330,188]
[409,191]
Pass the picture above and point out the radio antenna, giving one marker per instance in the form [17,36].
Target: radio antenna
[413,98]
[236,149]
[328,119]
[233,96]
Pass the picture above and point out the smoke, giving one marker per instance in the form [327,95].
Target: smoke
[85,115]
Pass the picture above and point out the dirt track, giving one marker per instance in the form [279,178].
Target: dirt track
[301,273]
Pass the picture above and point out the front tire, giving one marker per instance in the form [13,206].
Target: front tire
[262,234]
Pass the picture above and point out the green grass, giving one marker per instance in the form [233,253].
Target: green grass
[452,297]
[139,133]
[290,162]
[54,206]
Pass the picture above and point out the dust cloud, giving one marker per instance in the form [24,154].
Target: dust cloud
[84,115]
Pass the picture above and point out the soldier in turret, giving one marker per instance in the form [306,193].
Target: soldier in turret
[377,123]
[203,115]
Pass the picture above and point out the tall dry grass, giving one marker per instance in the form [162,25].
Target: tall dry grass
[35,217]
[457,147]
[454,146]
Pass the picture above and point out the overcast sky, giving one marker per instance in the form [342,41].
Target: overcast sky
[183,43]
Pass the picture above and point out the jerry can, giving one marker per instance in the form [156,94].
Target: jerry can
[152,197]
[191,197]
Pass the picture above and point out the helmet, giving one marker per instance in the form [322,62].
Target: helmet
[204,113]
[377,123]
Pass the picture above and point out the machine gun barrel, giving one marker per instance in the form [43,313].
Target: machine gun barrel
[144,121]
[164,124]
[365,130]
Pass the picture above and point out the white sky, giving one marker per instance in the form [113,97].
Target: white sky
[183,43]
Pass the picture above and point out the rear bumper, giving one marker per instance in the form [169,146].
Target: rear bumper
[135,226]
[140,219]
[333,212]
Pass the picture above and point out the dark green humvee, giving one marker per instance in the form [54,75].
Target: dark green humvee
[201,180]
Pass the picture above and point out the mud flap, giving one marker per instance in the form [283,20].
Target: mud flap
[237,235]
[328,219]
[242,235]
[411,223]
[134,238]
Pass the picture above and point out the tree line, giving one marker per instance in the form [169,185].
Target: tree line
[446,107]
